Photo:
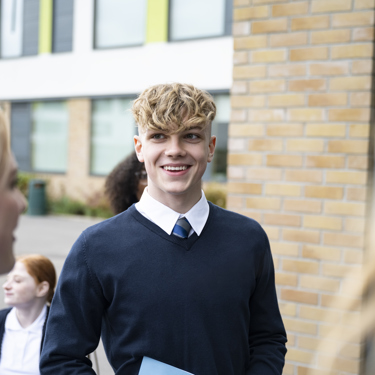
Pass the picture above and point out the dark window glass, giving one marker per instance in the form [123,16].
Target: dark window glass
[30,28]
[20,134]
[62,39]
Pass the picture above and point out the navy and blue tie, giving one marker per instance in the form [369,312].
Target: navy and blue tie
[182,228]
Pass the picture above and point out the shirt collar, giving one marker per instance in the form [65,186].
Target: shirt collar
[13,324]
[166,218]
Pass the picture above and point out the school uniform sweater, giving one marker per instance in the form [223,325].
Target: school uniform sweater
[205,304]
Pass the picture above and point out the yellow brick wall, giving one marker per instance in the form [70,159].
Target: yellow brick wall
[299,155]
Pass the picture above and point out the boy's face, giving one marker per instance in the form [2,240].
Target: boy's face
[175,162]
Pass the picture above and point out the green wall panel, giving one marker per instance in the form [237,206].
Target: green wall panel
[157,21]
[45,26]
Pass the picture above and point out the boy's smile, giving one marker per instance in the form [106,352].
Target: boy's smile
[175,163]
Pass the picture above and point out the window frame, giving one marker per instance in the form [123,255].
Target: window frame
[94,41]
[228,11]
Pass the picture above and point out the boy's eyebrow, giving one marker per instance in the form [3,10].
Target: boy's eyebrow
[195,128]
[168,131]
[158,129]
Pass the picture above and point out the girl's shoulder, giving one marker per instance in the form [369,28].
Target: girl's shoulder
[4,313]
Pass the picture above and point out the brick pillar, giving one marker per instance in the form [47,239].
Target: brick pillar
[79,146]
[299,151]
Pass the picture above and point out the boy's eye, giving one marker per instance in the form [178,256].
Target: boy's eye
[158,136]
[192,136]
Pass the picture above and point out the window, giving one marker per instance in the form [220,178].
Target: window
[21,24]
[217,169]
[49,138]
[19,28]
[120,23]
[30,37]
[112,132]
[21,134]
[11,28]
[62,39]
[199,19]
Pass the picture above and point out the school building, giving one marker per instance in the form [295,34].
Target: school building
[70,70]
[293,81]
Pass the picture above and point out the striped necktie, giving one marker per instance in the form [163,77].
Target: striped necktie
[182,228]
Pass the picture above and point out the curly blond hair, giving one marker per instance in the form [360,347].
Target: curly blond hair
[173,107]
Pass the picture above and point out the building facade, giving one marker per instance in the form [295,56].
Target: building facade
[297,154]
[70,70]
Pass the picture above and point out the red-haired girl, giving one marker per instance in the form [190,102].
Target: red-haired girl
[28,290]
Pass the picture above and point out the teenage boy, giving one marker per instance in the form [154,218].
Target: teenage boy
[196,293]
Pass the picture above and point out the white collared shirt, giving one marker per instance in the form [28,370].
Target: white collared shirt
[165,218]
[20,352]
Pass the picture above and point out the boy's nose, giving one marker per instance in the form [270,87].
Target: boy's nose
[174,148]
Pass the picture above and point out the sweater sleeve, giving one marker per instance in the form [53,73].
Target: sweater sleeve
[267,336]
[74,322]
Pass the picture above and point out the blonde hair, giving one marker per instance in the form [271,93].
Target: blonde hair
[4,142]
[41,269]
[357,323]
[173,107]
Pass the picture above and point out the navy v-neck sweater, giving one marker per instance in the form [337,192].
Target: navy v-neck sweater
[205,304]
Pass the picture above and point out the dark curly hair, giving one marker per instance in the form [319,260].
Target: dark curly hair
[121,185]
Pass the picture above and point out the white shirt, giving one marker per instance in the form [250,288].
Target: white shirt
[20,351]
[165,218]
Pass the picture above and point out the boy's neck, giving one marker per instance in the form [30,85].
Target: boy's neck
[180,203]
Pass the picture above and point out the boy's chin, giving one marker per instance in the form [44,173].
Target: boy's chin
[183,189]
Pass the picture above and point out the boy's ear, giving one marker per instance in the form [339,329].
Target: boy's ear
[211,148]
[138,147]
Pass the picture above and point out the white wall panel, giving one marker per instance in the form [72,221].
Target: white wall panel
[206,63]
[83,26]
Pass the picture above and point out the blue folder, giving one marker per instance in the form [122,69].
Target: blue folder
[151,366]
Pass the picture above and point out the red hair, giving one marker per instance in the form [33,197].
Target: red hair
[41,269]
